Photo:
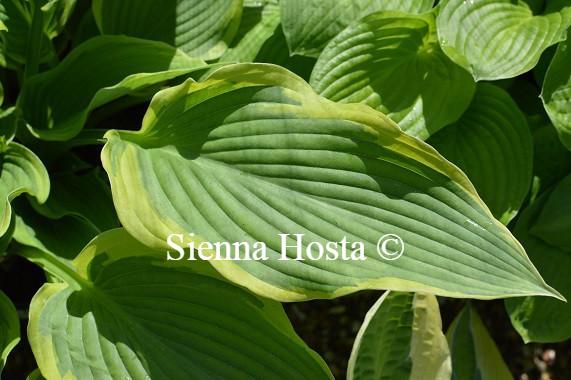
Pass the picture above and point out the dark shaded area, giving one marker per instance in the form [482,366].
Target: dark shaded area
[330,326]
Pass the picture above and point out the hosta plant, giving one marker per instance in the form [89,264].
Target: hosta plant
[416,151]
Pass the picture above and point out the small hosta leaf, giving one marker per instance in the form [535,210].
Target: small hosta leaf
[474,353]
[492,144]
[497,39]
[556,92]
[200,28]
[56,103]
[310,24]
[9,328]
[535,319]
[252,152]
[401,338]
[21,172]
[392,62]
[122,313]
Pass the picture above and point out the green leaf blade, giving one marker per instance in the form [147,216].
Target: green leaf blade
[497,39]
[100,70]
[9,328]
[128,312]
[273,157]
[492,144]
[401,338]
[310,24]
[202,29]
[556,91]
[392,62]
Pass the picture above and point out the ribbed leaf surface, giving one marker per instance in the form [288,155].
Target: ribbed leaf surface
[253,152]
[496,39]
[401,338]
[492,144]
[56,103]
[200,28]
[393,63]
[124,315]
[556,92]
[310,24]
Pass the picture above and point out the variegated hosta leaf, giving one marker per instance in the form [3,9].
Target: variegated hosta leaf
[492,144]
[21,172]
[258,24]
[535,319]
[253,152]
[9,328]
[200,28]
[15,23]
[310,24]
[496,39]
[122,311]
[474,353]
[401,338]
[56,103]
[556,92]
[392,62]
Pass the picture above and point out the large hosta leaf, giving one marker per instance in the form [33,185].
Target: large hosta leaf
[492,144]
[310,24]
[392,62]
[124,313]
[21,172]
[56,103]
[9,328]
[401,338]
[496,39]
[535,319]
[200,28]
[253,151]
[556,92]
[474,353]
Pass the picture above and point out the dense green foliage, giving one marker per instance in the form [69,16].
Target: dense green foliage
[447,123]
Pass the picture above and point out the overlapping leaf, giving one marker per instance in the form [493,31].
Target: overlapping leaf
[21,172]
[16,19]
[556,92]
[392,62]
[310,24]
[401,338]
[9,328]
[535,319]
[496,39]
[492,144]
[253,152]
[200,28]
[122,313]
[258,24]
[56,103]
[474,353]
